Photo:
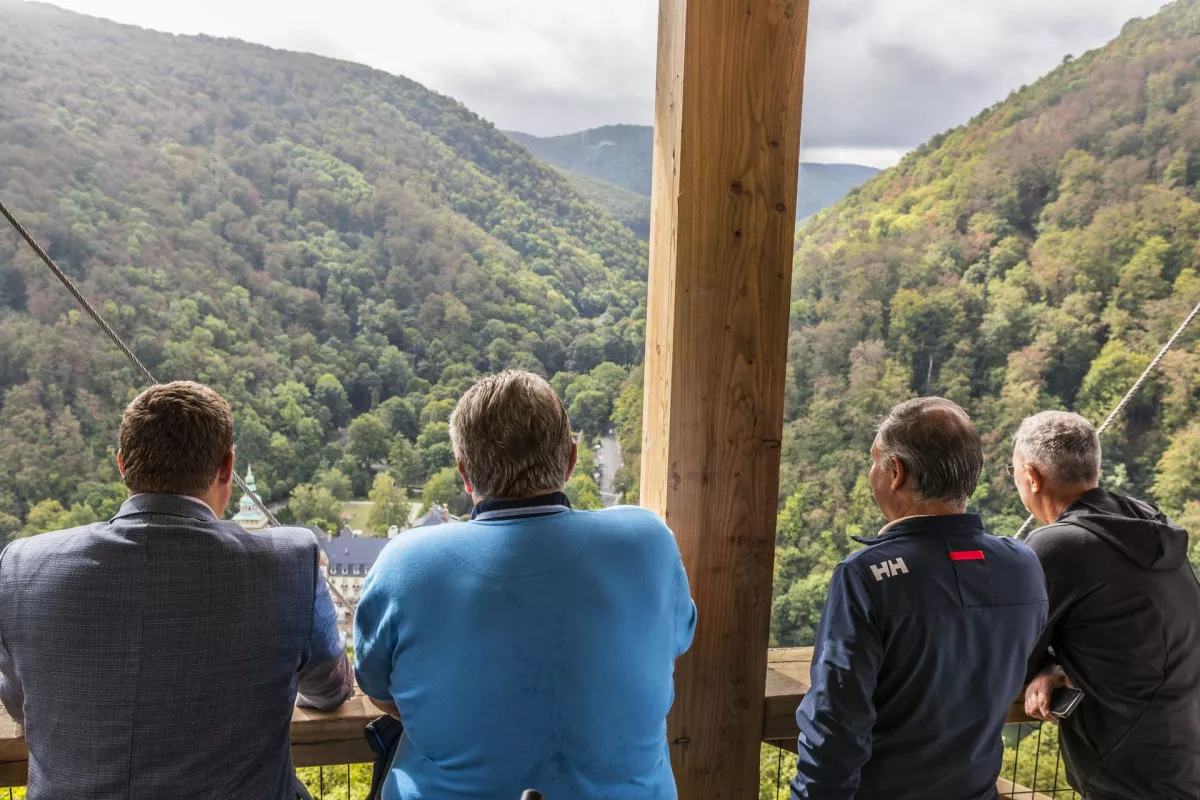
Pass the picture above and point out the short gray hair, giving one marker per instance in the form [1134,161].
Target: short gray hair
[934,438]
[1063,445]
[511,433]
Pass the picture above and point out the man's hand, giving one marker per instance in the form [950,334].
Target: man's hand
[386,707]
[1037,695]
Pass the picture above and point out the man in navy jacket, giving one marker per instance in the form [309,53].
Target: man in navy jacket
[923,644]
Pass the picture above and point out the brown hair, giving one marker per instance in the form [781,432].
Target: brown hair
[512,435]
[174,437]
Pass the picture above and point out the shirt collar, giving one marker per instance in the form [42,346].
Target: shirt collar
[196,501]
[937,523]
[180,505]
[491,508]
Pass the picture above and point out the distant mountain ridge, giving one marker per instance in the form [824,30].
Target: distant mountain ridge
[623,155]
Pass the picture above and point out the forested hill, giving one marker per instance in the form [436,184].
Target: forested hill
[622,157]
[340,250]
[1035,258]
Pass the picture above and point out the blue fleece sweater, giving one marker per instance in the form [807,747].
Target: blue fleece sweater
[529,652]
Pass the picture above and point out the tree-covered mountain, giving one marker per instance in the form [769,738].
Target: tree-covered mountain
[619,154]
[1035,258]
[629,208]
[622,155]
[339,250]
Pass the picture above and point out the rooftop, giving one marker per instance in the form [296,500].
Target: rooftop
[348,550]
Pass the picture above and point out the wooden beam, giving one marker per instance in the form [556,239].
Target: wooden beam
[336,737]
[318,739]
[723,218]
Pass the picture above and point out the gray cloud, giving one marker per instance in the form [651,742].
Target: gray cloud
[882,74]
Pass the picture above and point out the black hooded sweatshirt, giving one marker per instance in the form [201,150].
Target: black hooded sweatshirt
[1125,625]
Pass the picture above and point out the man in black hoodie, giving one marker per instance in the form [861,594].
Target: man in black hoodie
[1124,621]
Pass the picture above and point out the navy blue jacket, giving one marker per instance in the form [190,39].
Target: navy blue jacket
[921,650]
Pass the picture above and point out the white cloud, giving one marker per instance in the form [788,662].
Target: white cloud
[882,74]
[878,157]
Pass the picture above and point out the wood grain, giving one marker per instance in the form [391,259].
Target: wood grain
[318,739]
[336,737]
[727,149]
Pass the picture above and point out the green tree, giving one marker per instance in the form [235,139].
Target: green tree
[337,482]
[583,493]
[369,440]
[796,613]
[389,507]
[405,463]
[331,395]
[609,377]
[776,769]
[10,528]
[589,412]
[44,517]
[316,505]
[443,488]
[1176,483]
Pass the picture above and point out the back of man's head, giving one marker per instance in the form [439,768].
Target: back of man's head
[1062,445]
[511,436]
[174,439]
[939,447]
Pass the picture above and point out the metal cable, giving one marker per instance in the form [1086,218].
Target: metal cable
[67,282]
[1137,387]
[133,359]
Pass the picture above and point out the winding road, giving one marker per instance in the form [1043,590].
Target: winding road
[609,461]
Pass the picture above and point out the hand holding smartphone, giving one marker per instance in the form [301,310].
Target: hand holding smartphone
[1064,700]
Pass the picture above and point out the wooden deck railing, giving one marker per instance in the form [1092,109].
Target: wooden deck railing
[326,739]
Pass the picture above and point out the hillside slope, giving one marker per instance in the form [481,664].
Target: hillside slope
[1035,258]
[623,155]
[320,240]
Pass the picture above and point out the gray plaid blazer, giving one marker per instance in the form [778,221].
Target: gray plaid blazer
[159,655]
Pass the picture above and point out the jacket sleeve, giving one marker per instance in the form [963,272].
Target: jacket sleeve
[837,715]
[12,693]
[685,610]
[326,679]
[1053,549]
[376,632]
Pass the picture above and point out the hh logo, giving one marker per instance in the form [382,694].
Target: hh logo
[889,569]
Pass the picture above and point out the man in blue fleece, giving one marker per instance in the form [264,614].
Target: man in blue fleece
[532,647]
[923,644]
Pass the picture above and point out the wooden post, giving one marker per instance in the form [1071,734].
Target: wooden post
[726,155]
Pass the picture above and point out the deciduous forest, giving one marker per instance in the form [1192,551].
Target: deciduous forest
[339,251]
[342,251]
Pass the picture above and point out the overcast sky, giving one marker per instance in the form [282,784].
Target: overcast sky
[883,75]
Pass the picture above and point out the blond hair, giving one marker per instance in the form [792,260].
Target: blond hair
[511,434]
[174,437]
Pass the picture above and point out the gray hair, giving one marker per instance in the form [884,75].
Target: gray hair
[1063,445]
[934,438]
[511,433]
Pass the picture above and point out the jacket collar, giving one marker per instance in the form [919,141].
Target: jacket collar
[489,508]
[173,505]
[1094,499]
[941,523]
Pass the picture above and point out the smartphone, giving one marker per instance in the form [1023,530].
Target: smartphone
[1064,701]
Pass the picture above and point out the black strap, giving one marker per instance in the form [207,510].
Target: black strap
[383,736]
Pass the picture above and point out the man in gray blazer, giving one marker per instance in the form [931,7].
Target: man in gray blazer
[159,654]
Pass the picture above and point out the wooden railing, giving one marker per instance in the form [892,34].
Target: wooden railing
[333,738]
[787,683]
[318,739]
